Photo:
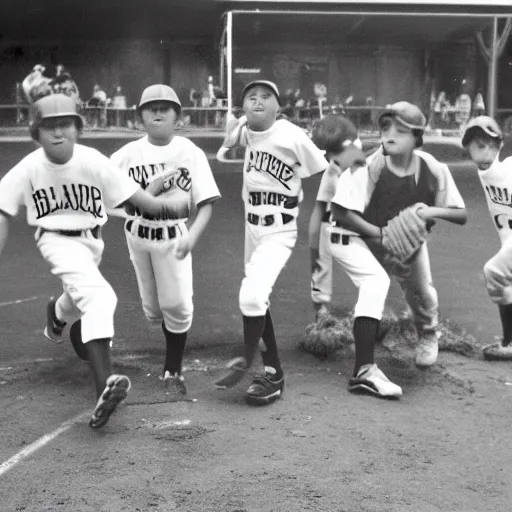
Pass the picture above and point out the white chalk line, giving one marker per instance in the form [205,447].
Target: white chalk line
[19,301]
[39,443]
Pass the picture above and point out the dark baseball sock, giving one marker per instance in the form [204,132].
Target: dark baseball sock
[506,322]
[75,336]
[365,333]
[253,331]
[98,355]
[269,354]
[175,347]
[58,322]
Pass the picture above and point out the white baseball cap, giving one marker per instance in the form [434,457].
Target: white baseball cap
[56,105]
[485,123]
[263,83]
[159,92]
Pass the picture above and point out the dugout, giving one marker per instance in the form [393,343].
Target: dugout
[375,51]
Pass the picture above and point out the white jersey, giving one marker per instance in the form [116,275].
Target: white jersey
[276,161]
[497,184]
[70,196]
[183,167]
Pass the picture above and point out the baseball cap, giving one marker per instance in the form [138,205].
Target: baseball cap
[55,105]
[38,67]
[406,114]
[263,83]
[159,92]
[485,123]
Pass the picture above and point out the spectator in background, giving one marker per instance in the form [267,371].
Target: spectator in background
[63,83]
[118,105]
[478,105]
[36,85]
[98,102]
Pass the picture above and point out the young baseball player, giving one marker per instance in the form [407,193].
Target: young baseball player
[337,136]
[65,188]
[174,166]
[278,156]
[483,140]
[397,178]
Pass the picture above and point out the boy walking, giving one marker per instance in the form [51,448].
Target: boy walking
[173,167]
[278,156]
[66,188]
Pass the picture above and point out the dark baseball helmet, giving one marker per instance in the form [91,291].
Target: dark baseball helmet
[52,106]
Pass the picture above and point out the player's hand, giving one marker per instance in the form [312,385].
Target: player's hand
[233,130]
[182,247]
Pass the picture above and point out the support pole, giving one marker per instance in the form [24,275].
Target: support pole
[229,62]
[493,70]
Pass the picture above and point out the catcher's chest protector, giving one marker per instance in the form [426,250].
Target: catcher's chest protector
[393,194]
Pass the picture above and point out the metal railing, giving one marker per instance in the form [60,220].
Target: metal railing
[213,118]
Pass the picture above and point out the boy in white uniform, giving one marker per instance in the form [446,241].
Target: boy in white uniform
[397,177]
[483,140]
[173,166]
[66,188]
[278,156]
[337,136]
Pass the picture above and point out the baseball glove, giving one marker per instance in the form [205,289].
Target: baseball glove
[404,234]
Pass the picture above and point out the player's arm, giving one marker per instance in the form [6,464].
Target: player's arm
[160,207]
[201,220]
[315,224]
[449,204]
[353,221]
[455,214]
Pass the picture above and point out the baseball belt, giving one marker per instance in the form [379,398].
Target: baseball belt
[95,232]
[338,238]
[149,233]
[268,220]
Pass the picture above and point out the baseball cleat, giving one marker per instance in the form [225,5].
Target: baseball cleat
[115,392]
[54,328]
[264,390]
[174,383]
[427,350]
[497,352]
[370,379]
[235,371]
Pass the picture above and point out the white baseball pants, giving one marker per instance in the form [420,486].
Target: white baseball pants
[87,295]
[267,249]
[366,273]
[498,276]
[321,279]
[165,283]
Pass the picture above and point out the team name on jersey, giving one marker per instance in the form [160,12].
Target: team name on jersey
[179,178]
[499,195]
[141,173]
[76,196]
[265,162]
[273,199]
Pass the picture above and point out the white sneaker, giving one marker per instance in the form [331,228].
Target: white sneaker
[497,352]
[370,378]
[427,350]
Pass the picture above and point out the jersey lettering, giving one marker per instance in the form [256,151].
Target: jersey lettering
[273,199]
[141,173]
[499,195]
[265,162]
[86,198]
[500,223]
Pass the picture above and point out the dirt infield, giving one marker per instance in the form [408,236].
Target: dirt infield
[442,447]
